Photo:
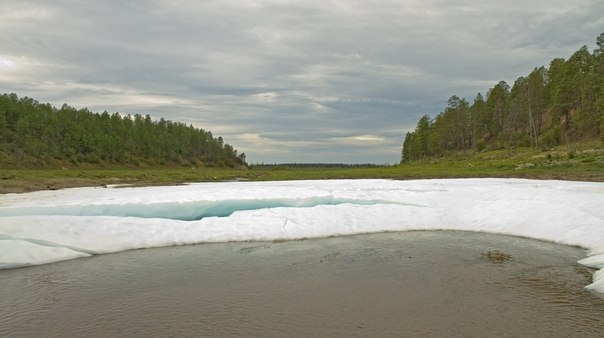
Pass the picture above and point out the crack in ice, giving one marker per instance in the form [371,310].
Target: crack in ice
[32,225]
[285,227]
[42,242]
[184,211]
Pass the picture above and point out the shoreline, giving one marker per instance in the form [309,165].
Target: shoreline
[24,181]
[573,162]
[582,161]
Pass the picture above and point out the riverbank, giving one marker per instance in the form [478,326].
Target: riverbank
[580,162]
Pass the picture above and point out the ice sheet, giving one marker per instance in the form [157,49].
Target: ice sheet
[47,226]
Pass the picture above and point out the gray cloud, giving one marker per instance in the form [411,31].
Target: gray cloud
[284,81]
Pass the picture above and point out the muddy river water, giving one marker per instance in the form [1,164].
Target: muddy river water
[432,283]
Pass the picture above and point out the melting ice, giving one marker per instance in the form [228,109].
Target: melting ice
[49,226]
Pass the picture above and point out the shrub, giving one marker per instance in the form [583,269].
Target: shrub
[550,137]
[602,128]
[497,145]
[522,139]
[481,145]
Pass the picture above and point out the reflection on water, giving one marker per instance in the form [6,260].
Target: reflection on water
[394,284]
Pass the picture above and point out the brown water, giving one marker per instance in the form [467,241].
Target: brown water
[395,284]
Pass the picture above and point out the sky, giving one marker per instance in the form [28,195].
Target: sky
[326,81]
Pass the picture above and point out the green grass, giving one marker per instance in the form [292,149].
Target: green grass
[583,162]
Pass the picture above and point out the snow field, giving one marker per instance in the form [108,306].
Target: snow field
[48,226]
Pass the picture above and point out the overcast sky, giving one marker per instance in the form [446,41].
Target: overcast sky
[284,81]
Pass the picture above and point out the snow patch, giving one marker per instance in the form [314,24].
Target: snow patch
[17,253]
[47,226]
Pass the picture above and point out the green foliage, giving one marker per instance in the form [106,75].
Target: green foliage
[450,130]
[39,135]
[565,100]
[520,139]
[551,137]
[602,128]
[416,144]
[481,145]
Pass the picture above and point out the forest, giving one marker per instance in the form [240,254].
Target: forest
[36,135]
[563,103]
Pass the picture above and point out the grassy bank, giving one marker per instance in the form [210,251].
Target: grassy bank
[579,162]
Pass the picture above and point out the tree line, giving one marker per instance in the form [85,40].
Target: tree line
[550,106]
[33,134]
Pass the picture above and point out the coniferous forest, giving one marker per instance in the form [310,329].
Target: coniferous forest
[560,104]
[37,135]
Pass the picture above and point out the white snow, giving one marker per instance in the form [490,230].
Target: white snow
[48,226]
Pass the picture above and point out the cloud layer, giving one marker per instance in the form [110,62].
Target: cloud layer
[284,81]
